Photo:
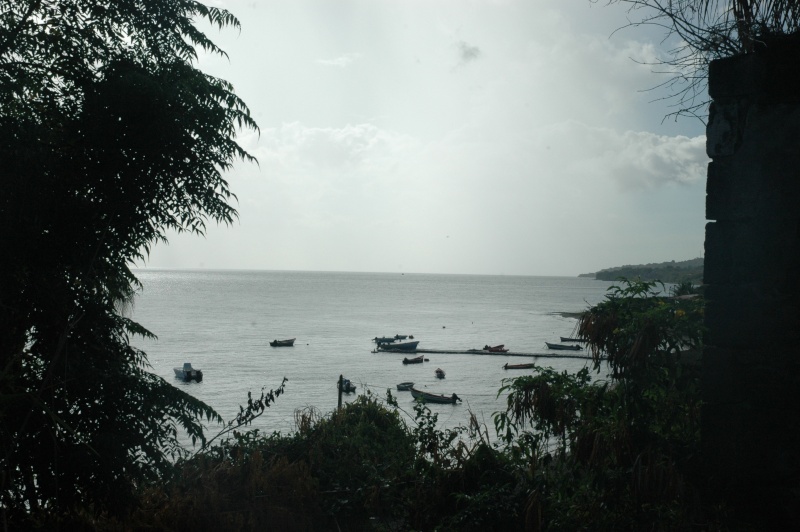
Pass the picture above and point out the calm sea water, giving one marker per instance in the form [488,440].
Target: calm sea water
[222,322]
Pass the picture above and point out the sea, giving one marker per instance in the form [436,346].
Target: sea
[221,321]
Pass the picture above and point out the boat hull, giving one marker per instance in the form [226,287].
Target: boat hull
[405,346]
[282,343]
[415,360]
[519,366]
[188,375]
[434,398]
[559,347]
[404,386]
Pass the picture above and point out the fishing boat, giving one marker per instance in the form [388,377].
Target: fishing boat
[561,347]
[433,398]
[439,373]
[519,366]
[404,386]
[495,349]
[346,386]
[565,339]
[403,346]
[282,343]
[188,373]
[380,340]
[416,360]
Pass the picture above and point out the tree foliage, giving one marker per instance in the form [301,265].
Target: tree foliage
[699,31]
[109,137]
[617,453]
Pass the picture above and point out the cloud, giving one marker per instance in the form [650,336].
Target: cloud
[633,160]
[342,61]
[467,52]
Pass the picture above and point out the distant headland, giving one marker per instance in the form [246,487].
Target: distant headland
[668,272]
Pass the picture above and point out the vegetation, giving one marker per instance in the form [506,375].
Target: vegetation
[572,451]
[668,272]
[700,31]
[109,137]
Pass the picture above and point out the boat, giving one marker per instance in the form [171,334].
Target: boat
[403,336]
[519,366]
[345,385]
[496,349]
[416,360]
[403,346]
[384,340]
[560,347]
[188,373]
[282,343]
[433,398]
[439,373]
[404,386]
[565,339]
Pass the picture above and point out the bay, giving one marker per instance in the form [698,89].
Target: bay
[222,322]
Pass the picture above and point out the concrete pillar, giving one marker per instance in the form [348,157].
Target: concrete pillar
[751,367]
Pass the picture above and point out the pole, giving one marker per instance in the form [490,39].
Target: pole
[340,391]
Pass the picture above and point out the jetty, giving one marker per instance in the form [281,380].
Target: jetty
[484,353]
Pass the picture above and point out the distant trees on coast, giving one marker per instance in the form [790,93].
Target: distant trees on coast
[668,272]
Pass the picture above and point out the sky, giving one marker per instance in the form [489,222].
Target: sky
[511,137]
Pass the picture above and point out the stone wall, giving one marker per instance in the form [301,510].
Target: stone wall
[751,373]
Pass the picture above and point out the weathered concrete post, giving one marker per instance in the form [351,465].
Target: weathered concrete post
[751,368]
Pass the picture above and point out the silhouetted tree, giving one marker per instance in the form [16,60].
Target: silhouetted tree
[109,137]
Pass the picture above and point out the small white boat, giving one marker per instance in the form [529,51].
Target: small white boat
[188,373]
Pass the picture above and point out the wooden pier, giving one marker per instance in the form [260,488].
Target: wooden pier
[583,356]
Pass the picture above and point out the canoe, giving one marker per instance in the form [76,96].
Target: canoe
[188,373]
[439,373]
[416,360]
[404,386]
[519,366]
[433,398]
[405,346]
[565,339]
[282,343]
[560,347]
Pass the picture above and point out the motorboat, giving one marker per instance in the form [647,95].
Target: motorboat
[188,373]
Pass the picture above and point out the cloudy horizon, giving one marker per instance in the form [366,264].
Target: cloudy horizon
[482,137]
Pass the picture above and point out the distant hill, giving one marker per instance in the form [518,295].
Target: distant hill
[668,272]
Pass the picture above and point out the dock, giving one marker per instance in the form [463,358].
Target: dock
[583,356]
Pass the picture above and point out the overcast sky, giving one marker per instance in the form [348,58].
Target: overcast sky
[437,136]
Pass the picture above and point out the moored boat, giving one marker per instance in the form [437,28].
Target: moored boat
[380,340]
[519,366]
[560,347]
[282,343]
[346,386]
[404,386]
[439,373]
[433,398]
[188,373]
[416,360]
[403,346]
[565,339]
[495,349]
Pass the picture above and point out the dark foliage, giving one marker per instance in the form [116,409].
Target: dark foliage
[108,138]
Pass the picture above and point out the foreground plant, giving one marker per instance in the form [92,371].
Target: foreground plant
[109,137]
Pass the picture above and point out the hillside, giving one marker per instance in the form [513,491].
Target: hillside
[668,272]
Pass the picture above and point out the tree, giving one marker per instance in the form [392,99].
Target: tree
[109,137]
[705,30]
